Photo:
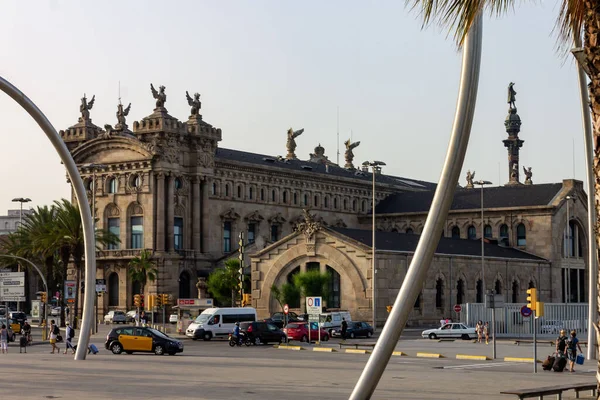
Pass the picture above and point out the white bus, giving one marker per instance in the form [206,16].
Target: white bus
[218,322]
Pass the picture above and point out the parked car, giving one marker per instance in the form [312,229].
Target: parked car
[451,330]
[333,320]
[131,316]
[131,339]
[262,332]
[173,318]
[278,319]
[115,317]
[355,329]
[299,331]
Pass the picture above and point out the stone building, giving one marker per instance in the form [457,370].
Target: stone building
[10,222]
[167,186]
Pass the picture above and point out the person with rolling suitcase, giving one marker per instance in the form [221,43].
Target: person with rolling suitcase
[547,365]
[561,346]
[572,346]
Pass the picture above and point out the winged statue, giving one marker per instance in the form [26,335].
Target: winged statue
[470,177]
[291,142]
[194,103]
[349,154]
[160,96]
[85,108]
[121,114]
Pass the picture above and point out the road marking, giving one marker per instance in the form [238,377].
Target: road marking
[324,349]
[471,357]
[290,347]
[398,353]
[519,359]
[482,365]
[430,355]
[357,351]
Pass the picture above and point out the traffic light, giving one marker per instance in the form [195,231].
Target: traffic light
[532,298]
[388,308]
[247,300]
[137,300]
[539,309]
[151,301]
[44,297]
[142,300]
[241,248]
[165,299]
[159,299]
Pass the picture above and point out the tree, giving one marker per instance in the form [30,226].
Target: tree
[223,283]
[575,17]
[143,269]
[312,283]
[286,294]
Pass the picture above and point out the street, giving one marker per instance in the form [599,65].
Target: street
[213,370]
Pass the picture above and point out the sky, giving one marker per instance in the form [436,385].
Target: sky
[262,67]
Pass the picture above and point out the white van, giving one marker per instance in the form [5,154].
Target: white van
[218,322]
[333,320]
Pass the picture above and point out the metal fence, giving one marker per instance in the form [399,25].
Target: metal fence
[510,322]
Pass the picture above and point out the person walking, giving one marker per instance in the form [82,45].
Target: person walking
[4,339]
[344,328]
[479,330]
[561,344]
[486,332]
[572,345]
[70,334]
[54,331]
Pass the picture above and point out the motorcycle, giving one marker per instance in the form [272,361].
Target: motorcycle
[243,339]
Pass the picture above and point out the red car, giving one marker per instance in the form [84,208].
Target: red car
[299,331]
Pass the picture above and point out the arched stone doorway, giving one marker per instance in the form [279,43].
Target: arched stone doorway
[184,285]
[113,290]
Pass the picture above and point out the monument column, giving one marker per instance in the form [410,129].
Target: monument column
[513,143]
[160,212]
[204,217]
[170,212]
[196,216]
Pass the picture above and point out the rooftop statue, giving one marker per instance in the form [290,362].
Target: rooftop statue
[160,96]
[85,108]
[121,114]
[470,177]
[349,155]
[194,103]
[511,96]
[291,143]
[528,175]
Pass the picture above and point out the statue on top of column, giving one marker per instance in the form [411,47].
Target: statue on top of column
[194,103]
[160,96]
[85,108]
[511,96]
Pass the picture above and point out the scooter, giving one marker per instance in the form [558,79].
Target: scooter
[242,339]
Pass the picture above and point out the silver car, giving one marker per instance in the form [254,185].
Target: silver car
[115,317]
[451,330]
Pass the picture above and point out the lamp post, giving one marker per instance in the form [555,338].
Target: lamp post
[482,183]
[376,169]
[21,200]
[568,245]
[94,167]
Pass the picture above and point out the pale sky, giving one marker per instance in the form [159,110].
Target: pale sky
[265,66]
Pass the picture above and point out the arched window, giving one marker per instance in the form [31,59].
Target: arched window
[214,188]
[572,242]
[7,225]
[273,195]
[136,182]
[285,197]
[262,194]
[239,190]
[136,226]
[335,203]
[409,230]
[354,205]
[114,227]
[531,285]
[479,295]
[178,183]
[226,237]
[113,290]
[184,285]
[305,199]
[521,235]
[460,291]
[487,232]
[178,233]
[326,202]
[112,185]
[345,204]
[363,206]
[295,295]
[471,232]
[227,190]
[316,202]
[335,289]
[295,198]
[503,231]
[515,292]
[250,193]
[498,287]
[455,232]
[439,293]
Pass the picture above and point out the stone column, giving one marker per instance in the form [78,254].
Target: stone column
[196,216]
[160,212]
[204,219]
[170,213]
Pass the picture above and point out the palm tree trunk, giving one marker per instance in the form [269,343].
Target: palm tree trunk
[592,53]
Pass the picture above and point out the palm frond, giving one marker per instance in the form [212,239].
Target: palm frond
[569,24]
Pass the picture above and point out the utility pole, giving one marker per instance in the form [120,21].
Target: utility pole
[241,271]
[20,200]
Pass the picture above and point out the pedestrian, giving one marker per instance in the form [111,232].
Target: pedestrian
[479,330]
[561,344]
[143,318]
[54,331]
[70,334]
[572,345]
[486,332]
[442,322]
[344,328]
[4,339]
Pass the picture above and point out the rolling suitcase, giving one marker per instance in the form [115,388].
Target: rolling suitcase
[23,343]
[547,365]
[93,349]
[559,364]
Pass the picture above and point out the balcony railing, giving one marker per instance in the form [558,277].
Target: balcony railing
[130,253]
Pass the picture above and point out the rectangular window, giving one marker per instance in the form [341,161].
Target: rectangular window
[274,233]
[226,237]
[251,232]
[178,233]
[114,227]
[137,232]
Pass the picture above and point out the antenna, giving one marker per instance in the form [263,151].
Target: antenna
[338,136]
[119,92]
[573,157]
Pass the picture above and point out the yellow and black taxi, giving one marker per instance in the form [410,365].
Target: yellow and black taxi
[131,339]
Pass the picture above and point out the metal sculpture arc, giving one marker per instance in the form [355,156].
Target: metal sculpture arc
[82,202]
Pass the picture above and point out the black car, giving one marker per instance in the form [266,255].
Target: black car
[18,317]
[132,338]
[354,329]
[278,319]
[262,332]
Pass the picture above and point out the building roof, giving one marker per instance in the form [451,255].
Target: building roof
[406,242]
[466,199]
[315,168]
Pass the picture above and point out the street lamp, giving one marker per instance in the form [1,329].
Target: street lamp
[94,167]
[568,245]
[482,183]
[21,200]
[376,168]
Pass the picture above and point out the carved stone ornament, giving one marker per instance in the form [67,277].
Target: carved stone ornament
[112,210]
[254,216]
[121,114]
[194,103]
[160,96]
[205,154]
[229,215]
[137,209]
[309,226]
[339,223]
[276,219]
[201,286]
[171,151]
[470,177]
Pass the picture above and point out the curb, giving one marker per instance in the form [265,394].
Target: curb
[357,351]
[324,349]
[471,357]
[519,359]
[430,355]
[398,353]
[296,348]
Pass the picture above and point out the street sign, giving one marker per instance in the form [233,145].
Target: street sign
[11,275]
[183,303]
[12,298]
[11,291]
[100,285]
[286,309]
[457,308]
[13,281]
[313,317]
[526,311]
[314,305]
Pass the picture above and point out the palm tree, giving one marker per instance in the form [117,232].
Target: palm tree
[575,17]
[143,269]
